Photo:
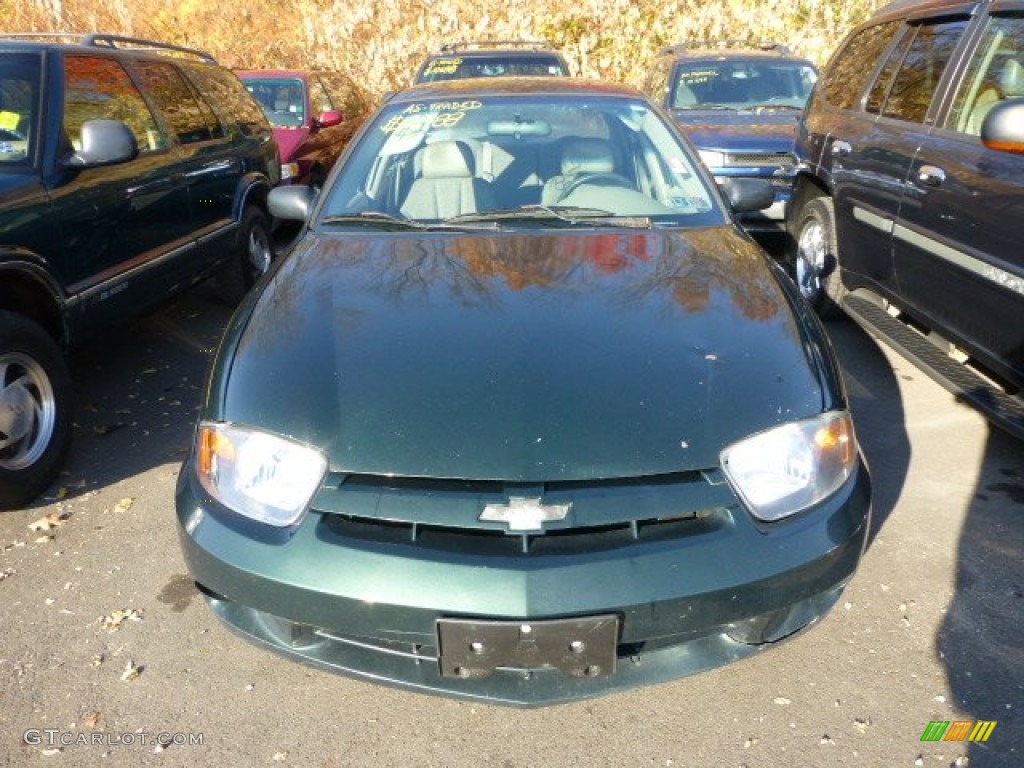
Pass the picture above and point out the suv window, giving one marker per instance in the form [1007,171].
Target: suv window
[922,69]
[996,72]
[191,118]
[96,88]
[230,99]
[19,79]
[742,83]
[848,74]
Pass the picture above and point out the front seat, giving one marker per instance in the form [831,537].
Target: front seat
[580,157]
[447,185]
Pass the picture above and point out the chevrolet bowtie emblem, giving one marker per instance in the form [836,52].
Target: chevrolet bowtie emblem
[522,514]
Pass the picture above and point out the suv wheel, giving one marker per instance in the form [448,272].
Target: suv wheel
[35,423]
[254,255]
[816,261]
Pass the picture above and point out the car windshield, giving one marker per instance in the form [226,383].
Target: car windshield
[283,99]
[456,67]
[743,84]
[540,160]
[19,88]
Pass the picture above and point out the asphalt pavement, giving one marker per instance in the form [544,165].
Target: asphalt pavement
[108,655]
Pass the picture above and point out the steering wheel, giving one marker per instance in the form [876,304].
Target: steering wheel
[6,134]
[592,178]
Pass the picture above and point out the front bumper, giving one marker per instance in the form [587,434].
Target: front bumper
[726,589]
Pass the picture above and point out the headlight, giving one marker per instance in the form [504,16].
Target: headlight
[259,475]
[712,159]
[790,468]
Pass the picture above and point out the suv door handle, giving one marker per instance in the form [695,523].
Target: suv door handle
[841,149]
[931,175]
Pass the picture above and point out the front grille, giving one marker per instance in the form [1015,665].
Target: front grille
[494,543]
[780,159]
[444,515]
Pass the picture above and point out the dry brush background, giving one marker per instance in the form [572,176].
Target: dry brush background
[380,42]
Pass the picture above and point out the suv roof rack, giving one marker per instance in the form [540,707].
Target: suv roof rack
[760,45]
[464,45]
[100,40]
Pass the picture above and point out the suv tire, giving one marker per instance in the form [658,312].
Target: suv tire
[254,254]
[816,257]
[35,410]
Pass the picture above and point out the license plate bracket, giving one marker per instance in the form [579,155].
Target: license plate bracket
[579,647]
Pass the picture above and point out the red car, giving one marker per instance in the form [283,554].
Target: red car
[313,113]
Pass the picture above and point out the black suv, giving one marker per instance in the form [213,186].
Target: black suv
[910,197]
[739,103]
[492,58]
[129,170]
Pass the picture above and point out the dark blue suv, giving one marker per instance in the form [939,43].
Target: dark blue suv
[739,105]
[129,171]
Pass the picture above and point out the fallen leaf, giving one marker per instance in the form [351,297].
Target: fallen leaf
[43,539]
[92,720]
[113,621]
[48,522]
[124,504]
[131,672]
[6,573]
[106,429]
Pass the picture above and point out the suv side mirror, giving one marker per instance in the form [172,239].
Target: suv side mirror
[747,195]
[291,203]
[1003,127]
[104,142]
[329,118]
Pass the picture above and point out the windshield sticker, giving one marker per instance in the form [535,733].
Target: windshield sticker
[443,106]
[443,66]
[419,118]
[697,76]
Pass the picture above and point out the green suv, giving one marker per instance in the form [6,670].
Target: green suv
[129,170]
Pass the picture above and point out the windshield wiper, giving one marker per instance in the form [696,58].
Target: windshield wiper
[373,217]
[770,105]
[387,221]
[562,214]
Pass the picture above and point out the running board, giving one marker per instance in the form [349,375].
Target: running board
[1003,410]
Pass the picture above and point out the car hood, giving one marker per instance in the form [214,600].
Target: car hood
[289,140]
[737,131]
[519,357]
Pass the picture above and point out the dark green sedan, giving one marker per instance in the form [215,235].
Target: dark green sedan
[523,416]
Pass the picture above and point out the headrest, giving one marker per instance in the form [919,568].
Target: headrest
[446,159]
[587,156]
[1011,79]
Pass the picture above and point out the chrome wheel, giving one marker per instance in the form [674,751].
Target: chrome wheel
[259,250]
[28,411]
[811,253]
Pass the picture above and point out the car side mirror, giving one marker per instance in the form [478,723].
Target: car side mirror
[1003,127]
[330,117]
[291,203]
[104,142]
[747,195]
